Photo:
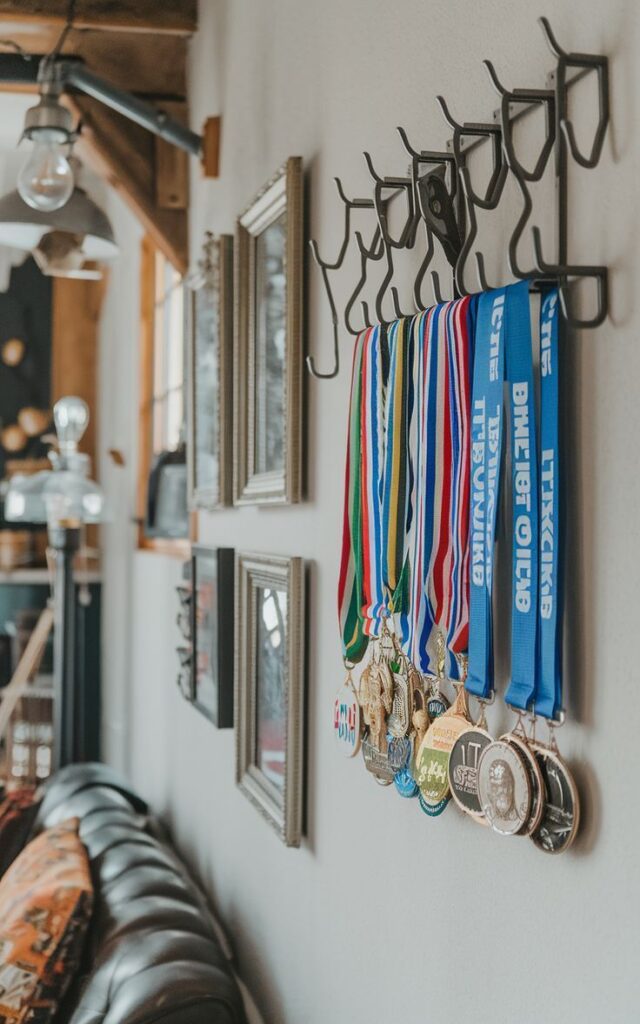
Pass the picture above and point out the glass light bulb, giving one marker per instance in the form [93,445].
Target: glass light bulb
[46,180]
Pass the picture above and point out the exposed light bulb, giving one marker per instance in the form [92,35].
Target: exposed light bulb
[46,180]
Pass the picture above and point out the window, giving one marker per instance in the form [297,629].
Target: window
[167,398]
[162,483]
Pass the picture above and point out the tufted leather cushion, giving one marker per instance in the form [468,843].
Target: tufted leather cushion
[153,952]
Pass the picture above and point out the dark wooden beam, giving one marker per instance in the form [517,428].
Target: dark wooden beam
[149,65]
[179,17]
[123,154]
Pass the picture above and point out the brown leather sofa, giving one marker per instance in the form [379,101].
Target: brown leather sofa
[154,952]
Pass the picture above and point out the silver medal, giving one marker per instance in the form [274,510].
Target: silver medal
[504,788]
[561,812]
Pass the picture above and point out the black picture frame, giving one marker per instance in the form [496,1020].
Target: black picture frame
[212,633]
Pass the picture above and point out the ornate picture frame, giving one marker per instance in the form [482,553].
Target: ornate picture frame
[270,691]
[268,292]
[209,311]
[211,610]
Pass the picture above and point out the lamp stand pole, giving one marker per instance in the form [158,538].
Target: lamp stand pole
[64,538]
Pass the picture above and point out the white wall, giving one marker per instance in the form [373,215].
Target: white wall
[383,914]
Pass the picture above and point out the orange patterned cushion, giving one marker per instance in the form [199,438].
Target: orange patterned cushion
[46,898]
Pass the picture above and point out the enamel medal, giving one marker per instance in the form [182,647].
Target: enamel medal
[432,759]
[347,722]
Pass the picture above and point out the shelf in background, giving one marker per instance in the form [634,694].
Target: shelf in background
[36,577]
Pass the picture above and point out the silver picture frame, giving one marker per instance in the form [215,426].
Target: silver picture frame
[209,311]
[270,692]
[268,289]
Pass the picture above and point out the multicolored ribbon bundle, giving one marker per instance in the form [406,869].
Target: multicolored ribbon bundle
[405,546]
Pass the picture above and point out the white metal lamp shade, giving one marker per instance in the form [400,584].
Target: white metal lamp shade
[63,495]
[22,227]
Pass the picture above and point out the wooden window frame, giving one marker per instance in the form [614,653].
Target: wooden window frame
[175,547]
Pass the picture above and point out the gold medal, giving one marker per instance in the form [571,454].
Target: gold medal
[432,759]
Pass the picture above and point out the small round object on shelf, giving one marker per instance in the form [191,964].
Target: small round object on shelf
[13,352]
[13,438]
[34,421]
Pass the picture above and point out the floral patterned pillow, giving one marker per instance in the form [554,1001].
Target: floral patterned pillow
[46,898]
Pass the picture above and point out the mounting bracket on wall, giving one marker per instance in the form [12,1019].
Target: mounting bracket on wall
[73,76]
[446,202]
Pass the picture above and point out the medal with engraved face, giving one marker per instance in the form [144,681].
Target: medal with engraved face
[346,719]
[561,811]
[432,760]
[463,769]
[520,742]
[504,788]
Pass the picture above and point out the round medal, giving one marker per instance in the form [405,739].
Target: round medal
[561,811]
[346,719]
[432,760]
[463,769]
[504,788]
[436,705]
[535,778]
[433,810]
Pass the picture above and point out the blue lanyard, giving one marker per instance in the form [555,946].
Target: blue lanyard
[525,499]
[486,451]
[548,701]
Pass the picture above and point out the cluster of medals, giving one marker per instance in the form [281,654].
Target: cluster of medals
[409,734]
[411,737]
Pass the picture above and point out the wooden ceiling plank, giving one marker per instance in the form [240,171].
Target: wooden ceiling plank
[149,65]
[167,16]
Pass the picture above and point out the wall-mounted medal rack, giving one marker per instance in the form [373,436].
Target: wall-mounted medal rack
[442,206]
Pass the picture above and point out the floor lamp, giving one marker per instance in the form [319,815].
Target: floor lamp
[66,499]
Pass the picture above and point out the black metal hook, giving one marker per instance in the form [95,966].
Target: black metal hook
[407,238]
[545,97]
[599,274]
[365,256]
[435,194]
[326,266]
[470,129]
[586,62]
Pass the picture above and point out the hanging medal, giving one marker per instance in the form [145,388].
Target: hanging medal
[441,623]
[347,721]
[560,812]
[508,782]
[486,455]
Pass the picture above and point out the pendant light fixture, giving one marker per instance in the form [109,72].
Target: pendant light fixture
[46,179]
[62,240]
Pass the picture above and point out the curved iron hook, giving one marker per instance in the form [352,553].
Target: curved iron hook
[589,62]
[545,97]
[365,256]
[599,274]
[325,266]
[470,129]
